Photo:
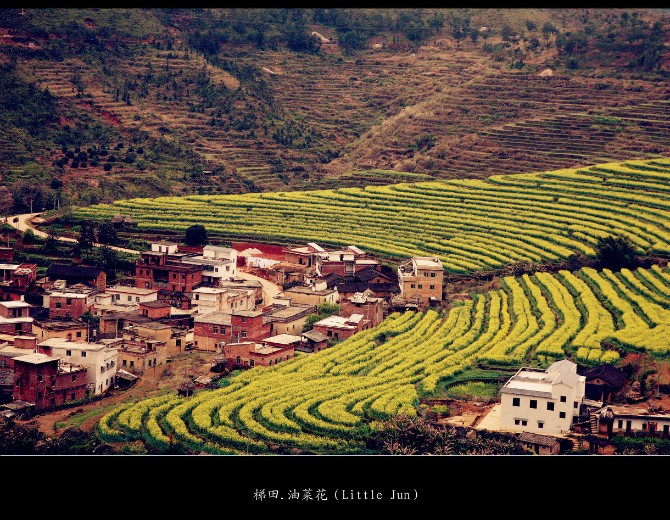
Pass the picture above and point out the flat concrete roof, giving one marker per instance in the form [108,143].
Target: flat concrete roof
[283,339]
[131,290]
[35,359]
[12,304]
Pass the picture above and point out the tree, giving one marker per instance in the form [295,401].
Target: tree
[323,310]
[107,234]
[86,235]
[615,253]
[6,201]
[195,235]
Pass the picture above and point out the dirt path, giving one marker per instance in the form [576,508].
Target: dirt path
[153,382]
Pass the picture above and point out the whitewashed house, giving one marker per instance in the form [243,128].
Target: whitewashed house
[542,401]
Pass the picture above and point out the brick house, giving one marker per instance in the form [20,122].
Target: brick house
[420,279]
[154,270]
[47,381]
[100,360]
[131,296]
[286,317]
[155,310]
[313,341]
[72,330]
[380,281]
[361,303]
[251,354]
[6,254]
[14,317]
[69,303]
[212,329]
[138,356]
[339,328]
[74,274]
[315,294]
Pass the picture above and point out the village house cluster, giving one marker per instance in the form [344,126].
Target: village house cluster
[86,336]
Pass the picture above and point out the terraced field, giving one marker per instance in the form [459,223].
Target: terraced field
[329,402]
[470,224]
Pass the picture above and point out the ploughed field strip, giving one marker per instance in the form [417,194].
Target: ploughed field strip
[332,401]
[470,224]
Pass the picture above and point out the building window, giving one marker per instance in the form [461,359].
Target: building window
[432,275]
[432,287]
[533,403]
[517,421]
[644,425]
[237,360]
[412,286]
[563,399]
[420,286]
[74,378]
[52,401]
[147,285]
[215,330]
[83,354]
[197,296]
[524,422]
[516,401]
[123,363]
[244,333]
[550,406]
[561,415]
[58,305]
[39,378]
[540,424]
[117,297]
[244,318]
[73,396]
[68,301]
[251,363]
[68,352]
[39,396]
[132,363]
[79,334]
[130,298]
[137,299]
[576,404]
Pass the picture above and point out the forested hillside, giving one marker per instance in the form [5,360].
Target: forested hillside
[102,104]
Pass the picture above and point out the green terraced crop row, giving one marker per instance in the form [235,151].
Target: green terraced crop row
[331,401]
[469,224]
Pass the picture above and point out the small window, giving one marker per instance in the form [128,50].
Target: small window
[52,401]
[516,401]
[524,423]
[117,297]
[58,305]
[237,360]
[420,286]
[137,299]
[432,287]
[412,286]
[123,363]
[517,421]
[244,333]
[533,403]
[432,275]
[83,354]
[244,318]
[68,352]
[550,406]
[563,399]
[39,395]
[644,425]
[215,329]
[540,424]
[73,396]
[251,363]
[132,363]
[68,301]
[576,404]
[39,378]
[561,415]
[130,298]
[79,334]
[74,378]
[147,285]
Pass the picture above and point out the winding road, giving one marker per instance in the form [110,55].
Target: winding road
[270,290]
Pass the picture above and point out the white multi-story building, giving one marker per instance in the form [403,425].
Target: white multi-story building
[542,401]
[131,296]
[100,360]
[214,270]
